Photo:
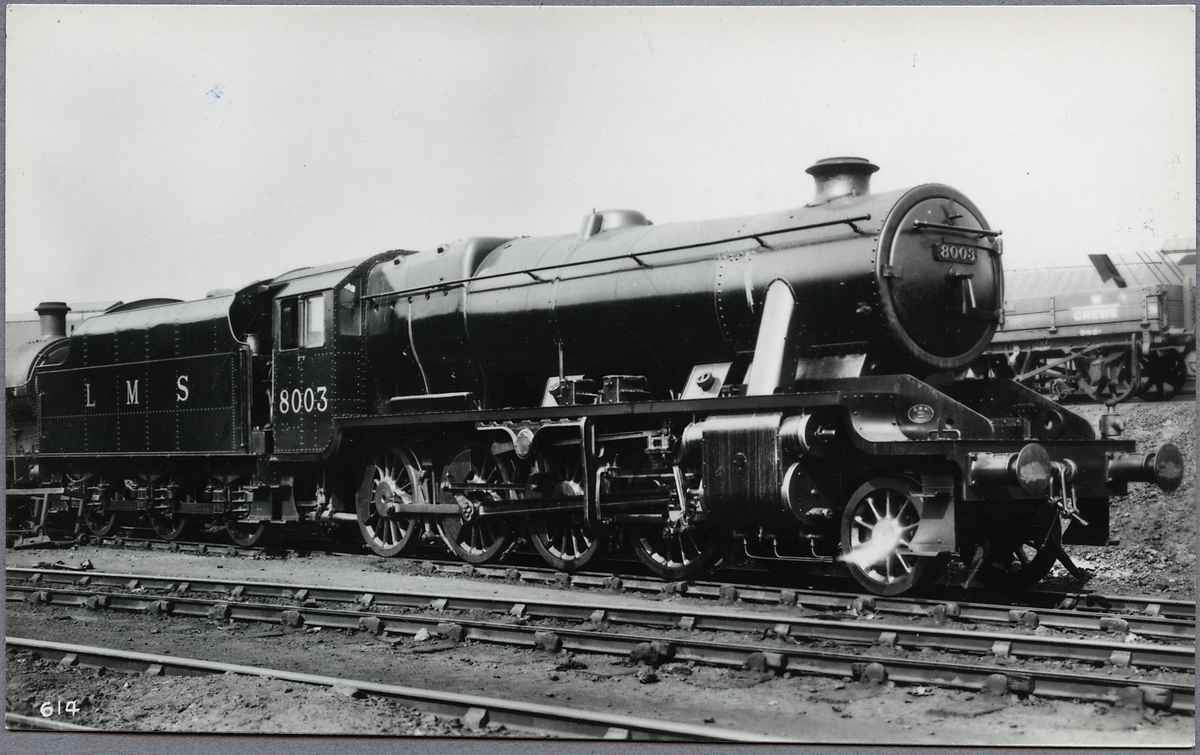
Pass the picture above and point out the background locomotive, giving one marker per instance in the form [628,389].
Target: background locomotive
[783,382]
[1120,327]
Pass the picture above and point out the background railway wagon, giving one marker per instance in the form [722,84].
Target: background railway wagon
[1115,327]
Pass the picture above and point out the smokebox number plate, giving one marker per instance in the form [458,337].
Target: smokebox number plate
[961,253]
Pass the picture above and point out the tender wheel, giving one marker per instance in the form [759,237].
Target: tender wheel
[566,543]
[681,554]
[1164,373]
[475,541]
[1017,560]
[877,526]
[1111,376]
[392,477]
[100,522]
[169,526]
[245,534]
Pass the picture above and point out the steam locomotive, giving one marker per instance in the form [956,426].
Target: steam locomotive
[792,384]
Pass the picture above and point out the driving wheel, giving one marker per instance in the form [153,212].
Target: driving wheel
[678,554]
[392,476]
[475,540]
[564,541]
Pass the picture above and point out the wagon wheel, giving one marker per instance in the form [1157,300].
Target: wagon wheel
[245,534]
[1111,376]
[1163,374]
[392,476]
[564,541]
[678,554]
[1056,383]
[1019,559]
[475,541]
[878,524]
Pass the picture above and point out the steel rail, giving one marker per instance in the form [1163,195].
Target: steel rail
[516,714]
[779,656]
[1177,630]
[1154,618]
[1130,607]
[307,599]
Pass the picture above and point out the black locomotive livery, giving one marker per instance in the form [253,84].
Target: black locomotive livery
[790,385]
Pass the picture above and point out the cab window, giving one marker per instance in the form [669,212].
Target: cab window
[302,322]
[348,313]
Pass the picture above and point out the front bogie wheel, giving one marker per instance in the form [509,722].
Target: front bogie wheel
[878,525]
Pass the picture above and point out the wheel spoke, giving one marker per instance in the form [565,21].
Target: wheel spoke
[875,511]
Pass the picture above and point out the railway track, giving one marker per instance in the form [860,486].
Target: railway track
[782,643]
[472,709]
[1062,609]
[832,612]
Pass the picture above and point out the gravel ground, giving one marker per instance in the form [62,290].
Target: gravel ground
[1155,532]
[1155,553]
[802,708]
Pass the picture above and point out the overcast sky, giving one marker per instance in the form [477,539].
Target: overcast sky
[167,151]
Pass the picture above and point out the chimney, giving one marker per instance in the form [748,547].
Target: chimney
[839,177]
[54,318]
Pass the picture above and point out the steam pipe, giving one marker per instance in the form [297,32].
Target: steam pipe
[766,373]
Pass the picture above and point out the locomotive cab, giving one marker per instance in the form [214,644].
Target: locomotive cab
[317,355]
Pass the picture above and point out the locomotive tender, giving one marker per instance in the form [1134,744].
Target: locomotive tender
[787,383]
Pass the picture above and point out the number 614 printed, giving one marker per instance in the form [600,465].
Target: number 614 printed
[49,708]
